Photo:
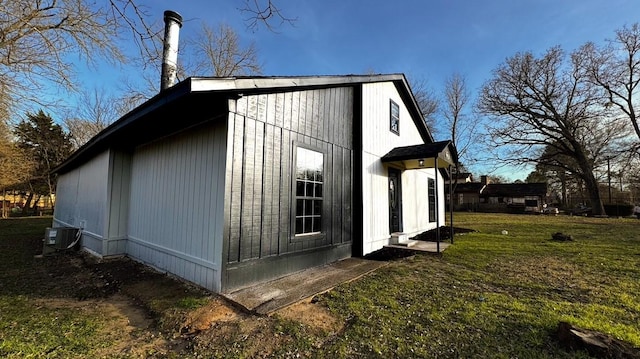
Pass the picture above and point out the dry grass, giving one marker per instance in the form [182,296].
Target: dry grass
[489,295]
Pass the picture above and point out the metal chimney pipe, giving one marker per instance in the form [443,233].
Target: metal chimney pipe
[172,25]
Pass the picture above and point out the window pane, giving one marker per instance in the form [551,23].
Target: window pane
[299,207]
[317,207]
[318,190]
[299,188]
[394,117]
[299,227]
[309,191]
[308,228]
[317,224]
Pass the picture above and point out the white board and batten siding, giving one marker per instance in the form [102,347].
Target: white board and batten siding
[378,140]
[176,204]
[82,201]
[118,186]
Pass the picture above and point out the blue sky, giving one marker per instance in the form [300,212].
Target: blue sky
[425,39]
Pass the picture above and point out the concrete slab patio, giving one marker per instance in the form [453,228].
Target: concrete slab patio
[421,246]
[266,298]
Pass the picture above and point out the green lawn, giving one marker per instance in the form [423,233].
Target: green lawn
[491,295]
[496,295]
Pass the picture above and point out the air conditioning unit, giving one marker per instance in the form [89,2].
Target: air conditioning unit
[60,239]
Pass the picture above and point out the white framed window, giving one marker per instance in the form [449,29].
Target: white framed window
[431,188]
[309,189]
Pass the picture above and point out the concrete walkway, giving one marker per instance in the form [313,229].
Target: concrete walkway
[421,246]
[265,298]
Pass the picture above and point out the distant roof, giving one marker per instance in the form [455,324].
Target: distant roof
[462,175]
[469,187]
[502,189]
[515,189]
[200,96]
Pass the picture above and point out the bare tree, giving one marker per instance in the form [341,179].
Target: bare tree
[218,52]
[81,130]
[94,112]
[548,102]
[36,38]
[615,68]
[211,52]
[462,127]
[41,39]
[264,12]
[427,101]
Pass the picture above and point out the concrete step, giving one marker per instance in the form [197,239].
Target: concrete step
[407,243]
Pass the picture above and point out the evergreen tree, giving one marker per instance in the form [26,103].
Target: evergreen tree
[47,145]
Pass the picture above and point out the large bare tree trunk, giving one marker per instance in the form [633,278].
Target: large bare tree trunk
[594,196]
[27,204]
[590,181]
[4,203]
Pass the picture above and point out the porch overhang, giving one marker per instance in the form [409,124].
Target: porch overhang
[439,155]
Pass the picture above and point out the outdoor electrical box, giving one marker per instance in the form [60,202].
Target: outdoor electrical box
[60,239]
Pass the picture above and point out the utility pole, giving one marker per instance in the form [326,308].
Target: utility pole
[609,175]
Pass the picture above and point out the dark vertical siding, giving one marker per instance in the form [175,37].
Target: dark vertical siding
[285,192]
[235,225]
[265,130]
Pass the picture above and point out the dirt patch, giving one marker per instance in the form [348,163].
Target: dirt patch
[144,313]
[125,324]
[156,309]
[311,314]
[445,233]
[203,318]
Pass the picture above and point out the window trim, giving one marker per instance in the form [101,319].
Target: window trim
[312,235]
[391,117]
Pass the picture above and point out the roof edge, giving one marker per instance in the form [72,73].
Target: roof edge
[204,84]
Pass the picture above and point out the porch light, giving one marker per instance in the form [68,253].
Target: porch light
[421,162]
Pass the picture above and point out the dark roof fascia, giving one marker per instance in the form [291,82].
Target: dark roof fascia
[428,150]
[238,86]
[251,84]
[260,84]
[99,142]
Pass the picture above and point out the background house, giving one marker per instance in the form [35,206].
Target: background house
[466,196]
[513,197]
[485,196]
[231,181]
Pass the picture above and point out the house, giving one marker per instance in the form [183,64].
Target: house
[514,197]
[485,196]
[227,182]
[462,177]
[466,196]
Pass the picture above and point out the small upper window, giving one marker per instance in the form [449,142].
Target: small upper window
[394,118]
